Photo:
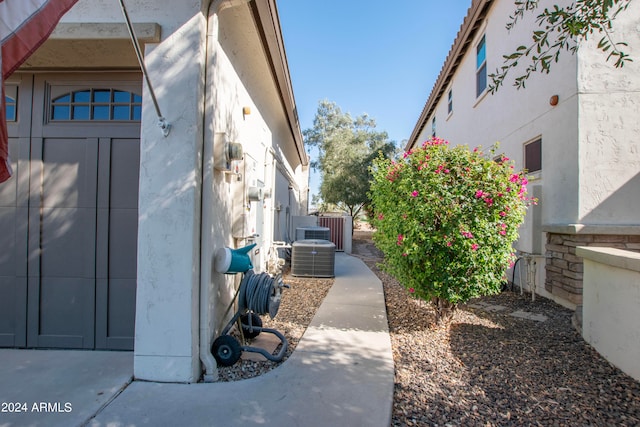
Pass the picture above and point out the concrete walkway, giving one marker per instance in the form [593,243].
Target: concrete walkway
[341,373]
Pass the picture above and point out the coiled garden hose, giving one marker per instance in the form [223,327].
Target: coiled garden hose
[261,293]
[258,294]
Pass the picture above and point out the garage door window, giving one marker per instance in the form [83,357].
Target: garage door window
[97,105]
[11,101]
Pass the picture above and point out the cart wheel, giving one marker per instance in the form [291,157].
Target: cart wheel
[226,350]
[247,330]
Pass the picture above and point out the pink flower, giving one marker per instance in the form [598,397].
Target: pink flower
[411,290]
[449,243]
[404,254]
[503,233]
[488,201]
[434,141]
[503,214]
[380,217]
[514,178]
[467,234]
[446,171]
[479,194]
[414,193]
[475,150]
[474,247]
[400,239]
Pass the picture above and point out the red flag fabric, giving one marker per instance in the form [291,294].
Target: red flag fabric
[24,26]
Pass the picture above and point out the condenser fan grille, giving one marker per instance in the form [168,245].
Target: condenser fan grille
[313,233]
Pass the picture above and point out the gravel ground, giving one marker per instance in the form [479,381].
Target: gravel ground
[487,368]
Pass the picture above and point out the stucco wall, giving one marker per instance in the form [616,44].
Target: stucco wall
[590,161]
[166,346]
[163,12]
[609,128]
[514,117]
[241,107]
[611,304]
[187,207]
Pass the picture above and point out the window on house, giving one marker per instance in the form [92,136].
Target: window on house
[481,67]
[450,101]
[533,156]
[11,103]
[433,127]
[97,105]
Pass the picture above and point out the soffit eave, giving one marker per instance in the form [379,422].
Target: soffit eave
[91,46]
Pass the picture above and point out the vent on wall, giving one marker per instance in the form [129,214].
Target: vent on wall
[316,233]
[313,258]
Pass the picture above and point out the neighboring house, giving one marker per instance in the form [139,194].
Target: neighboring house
[111,223]
[575,130]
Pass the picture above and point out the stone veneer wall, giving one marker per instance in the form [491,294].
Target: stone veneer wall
[565,269]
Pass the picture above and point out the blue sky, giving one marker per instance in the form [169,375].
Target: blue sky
[368,56]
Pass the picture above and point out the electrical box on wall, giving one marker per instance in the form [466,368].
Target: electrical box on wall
[225,152]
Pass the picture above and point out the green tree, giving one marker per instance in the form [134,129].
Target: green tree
[562,29]
[346,149]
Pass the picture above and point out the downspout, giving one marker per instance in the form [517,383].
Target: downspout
[206,245]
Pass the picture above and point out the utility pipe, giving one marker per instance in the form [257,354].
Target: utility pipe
[206,221]
[270,181]
[162,122]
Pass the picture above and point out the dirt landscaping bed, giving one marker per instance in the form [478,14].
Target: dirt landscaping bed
[503,361]
[491,368]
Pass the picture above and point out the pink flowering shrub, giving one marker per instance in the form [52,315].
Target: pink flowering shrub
[446,219]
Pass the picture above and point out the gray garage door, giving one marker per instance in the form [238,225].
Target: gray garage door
[69,215]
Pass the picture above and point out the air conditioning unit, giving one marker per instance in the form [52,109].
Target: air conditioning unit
[313,233]
[313,258]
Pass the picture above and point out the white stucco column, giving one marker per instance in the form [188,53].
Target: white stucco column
[166,342]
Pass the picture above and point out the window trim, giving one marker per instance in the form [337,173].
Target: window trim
[449,102]
[433,126]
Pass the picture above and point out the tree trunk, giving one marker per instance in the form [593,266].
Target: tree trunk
[444,310]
